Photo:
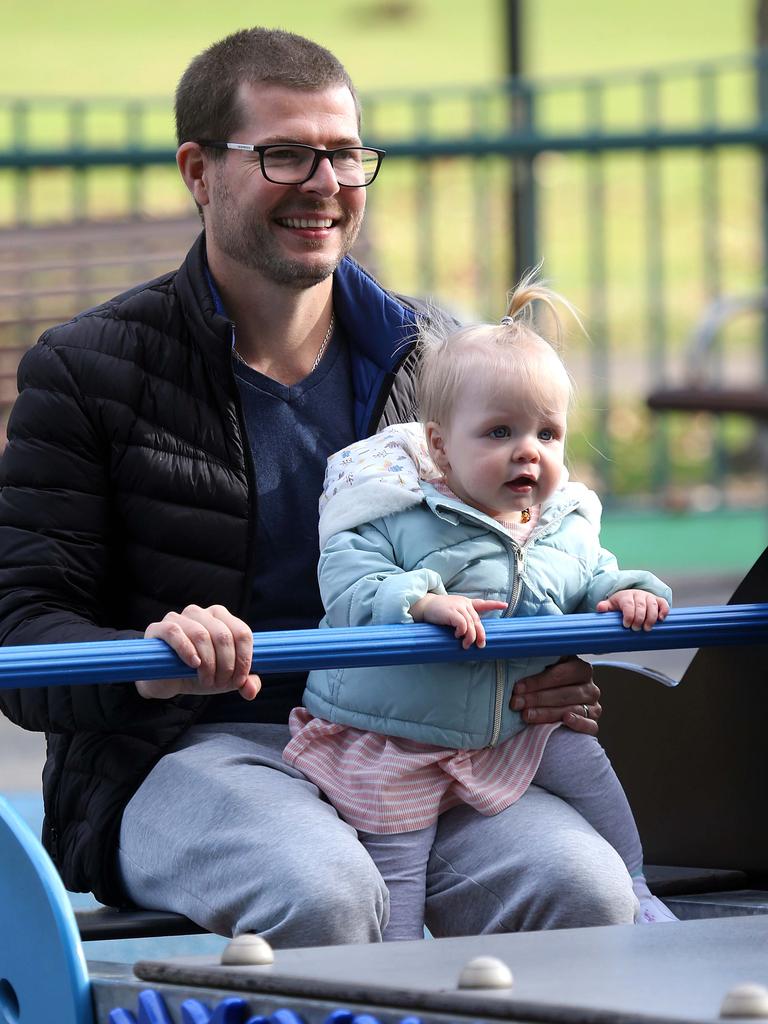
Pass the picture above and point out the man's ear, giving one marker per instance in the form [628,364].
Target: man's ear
[436,443]
[193,167]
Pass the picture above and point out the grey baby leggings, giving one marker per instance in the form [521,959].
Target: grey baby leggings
[574,767]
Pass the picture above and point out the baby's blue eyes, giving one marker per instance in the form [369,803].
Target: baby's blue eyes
[498,433]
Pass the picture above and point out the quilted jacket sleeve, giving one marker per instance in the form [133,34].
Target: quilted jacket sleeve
[54,545]
[361,584]
[608,579]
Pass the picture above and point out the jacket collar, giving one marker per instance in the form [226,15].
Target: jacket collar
[380,327]
[207,320]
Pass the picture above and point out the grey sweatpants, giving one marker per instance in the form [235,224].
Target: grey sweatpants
[223,831]
[574,767]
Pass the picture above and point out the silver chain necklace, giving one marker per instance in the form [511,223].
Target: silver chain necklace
[320,351]
[324,345]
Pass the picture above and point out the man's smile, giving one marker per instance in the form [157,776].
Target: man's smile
[305,222]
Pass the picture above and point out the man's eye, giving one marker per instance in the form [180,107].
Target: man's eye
[285,156]
[498,432]
[348,157]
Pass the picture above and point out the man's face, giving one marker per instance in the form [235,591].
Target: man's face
[290,234]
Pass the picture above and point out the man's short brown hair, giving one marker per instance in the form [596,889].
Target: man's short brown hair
[206,98]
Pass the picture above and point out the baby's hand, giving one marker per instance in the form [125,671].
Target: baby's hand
[455,610]
[639,608]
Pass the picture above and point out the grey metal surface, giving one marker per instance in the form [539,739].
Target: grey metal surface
[675,972]
[719,904]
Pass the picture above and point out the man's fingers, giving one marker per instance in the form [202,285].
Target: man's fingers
[238,644]
[555,697]
[579,723]
[562,697]
[569,670]
[573,717]
[250,687]
[213,641]
[170,630]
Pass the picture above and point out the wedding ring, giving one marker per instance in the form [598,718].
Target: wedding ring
[586,710]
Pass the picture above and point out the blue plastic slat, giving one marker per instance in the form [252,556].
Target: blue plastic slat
[339,1017]
[304,649]
[121,1016]
[41,956]
[285,1016]
[195,1012]
[230,1011]
[152,1008]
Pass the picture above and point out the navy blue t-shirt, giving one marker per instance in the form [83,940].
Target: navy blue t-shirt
[291,432]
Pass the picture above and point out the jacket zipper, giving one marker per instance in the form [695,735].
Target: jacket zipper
[514,599]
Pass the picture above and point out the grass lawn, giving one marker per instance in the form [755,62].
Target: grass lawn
[139,48]
[687,544]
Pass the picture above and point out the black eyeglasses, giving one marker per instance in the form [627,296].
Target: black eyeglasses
[295,163]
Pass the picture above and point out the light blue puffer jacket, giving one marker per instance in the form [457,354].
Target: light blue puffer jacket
[388,538]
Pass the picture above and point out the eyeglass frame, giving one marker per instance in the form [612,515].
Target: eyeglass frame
[318,155]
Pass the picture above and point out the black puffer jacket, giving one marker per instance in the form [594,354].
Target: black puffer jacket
[126,491]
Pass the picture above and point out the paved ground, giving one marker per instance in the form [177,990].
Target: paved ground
[22,753]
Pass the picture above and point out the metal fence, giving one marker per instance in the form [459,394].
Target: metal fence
[644,193]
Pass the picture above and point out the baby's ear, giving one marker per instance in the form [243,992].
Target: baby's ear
[436,443]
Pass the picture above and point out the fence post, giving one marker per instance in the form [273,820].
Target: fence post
[522,190]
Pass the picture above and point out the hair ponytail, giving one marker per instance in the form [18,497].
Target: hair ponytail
[521,305]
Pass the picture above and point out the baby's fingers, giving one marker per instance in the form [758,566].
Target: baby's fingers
[636,612]
[467,624]
[657,610]
[481,605]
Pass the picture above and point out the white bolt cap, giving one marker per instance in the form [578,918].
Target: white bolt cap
[485,972]
[747,1000]
[247,949]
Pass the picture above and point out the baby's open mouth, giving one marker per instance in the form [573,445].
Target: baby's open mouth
[521,482]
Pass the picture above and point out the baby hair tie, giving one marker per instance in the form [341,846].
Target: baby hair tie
[507,320]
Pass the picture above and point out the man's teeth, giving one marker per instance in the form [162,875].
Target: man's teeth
[306,222]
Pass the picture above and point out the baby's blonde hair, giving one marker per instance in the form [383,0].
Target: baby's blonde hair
[515,346]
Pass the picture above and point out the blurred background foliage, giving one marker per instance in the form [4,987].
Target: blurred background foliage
[140,48]
[641,242]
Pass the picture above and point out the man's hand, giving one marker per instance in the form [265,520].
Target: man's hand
[211,640]
[463,613]
[640,610]
[563,692]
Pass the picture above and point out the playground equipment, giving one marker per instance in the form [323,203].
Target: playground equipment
[691,758]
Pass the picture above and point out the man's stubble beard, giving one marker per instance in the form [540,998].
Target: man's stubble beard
[252,245]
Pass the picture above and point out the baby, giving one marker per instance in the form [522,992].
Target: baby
[469,514]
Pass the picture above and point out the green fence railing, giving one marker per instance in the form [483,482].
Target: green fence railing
[643,192]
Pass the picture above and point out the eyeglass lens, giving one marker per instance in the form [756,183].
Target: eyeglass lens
[287,165]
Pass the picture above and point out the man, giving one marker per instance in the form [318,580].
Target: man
[161,478]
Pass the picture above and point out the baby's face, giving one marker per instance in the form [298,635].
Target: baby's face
[501,452]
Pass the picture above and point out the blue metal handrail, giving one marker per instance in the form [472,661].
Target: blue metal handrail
[304,649]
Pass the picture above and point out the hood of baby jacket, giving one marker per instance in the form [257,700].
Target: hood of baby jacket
[383,474]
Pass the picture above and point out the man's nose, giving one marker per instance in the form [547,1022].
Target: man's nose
[323,181]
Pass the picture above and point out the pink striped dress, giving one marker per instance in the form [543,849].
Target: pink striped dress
[386,784]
